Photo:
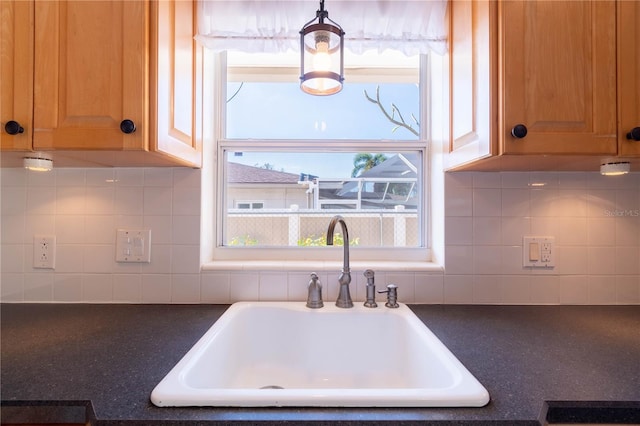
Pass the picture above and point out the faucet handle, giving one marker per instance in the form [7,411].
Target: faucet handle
[314,292]
[371,289]
[392,296]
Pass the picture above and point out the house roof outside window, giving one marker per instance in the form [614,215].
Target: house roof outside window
[240,173]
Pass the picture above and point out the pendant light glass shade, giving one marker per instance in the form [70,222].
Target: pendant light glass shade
[321,55]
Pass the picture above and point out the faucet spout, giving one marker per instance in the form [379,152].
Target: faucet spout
[344,296]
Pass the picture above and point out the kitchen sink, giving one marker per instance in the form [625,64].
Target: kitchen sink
[285,354]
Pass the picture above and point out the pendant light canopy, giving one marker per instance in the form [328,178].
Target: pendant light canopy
[321,55]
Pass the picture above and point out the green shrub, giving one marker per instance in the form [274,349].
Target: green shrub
[244,240]
[313,241]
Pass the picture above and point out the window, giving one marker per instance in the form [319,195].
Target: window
[288,161]
[250,205]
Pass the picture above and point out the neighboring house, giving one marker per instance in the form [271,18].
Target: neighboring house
[388,185]
[252,187]
[268,207]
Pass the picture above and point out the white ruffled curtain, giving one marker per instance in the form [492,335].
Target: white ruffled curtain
[411,27]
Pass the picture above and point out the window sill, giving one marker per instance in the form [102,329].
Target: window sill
[319,266]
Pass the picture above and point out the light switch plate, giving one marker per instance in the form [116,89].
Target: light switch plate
[538,252]
[133,245]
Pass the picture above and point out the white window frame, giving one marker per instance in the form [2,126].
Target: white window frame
[217,256]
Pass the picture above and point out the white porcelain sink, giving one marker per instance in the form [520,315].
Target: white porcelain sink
[285,354]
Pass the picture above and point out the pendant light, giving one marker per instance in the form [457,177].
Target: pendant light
[321,55]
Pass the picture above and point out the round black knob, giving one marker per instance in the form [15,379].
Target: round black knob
[13,127]
[127,126]
[634,134]
[519,131]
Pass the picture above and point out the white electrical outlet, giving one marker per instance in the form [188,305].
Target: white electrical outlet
[538,252]
[44,251]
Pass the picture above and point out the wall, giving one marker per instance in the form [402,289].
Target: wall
[596,222]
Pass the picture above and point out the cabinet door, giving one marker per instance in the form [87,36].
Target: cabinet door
[176,81]
[16,72]
[472,76]
[91,64]
[558,76]
[628,75]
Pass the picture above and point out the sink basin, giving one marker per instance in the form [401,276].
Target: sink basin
[285,354]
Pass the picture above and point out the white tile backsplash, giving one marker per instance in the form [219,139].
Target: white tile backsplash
[129,200]
[573,289]
[572,260]
[244,287]
[487,289]
[459,230]
[41,200]
[515,202]
[185,288]
[544,290]
[67,288]
[157,200]
[458,289]
[487,230]
[627,290]
[97,288]
[487,202]
[127,288]
[38,287]
[596,222]
[70,200]
[273,286]
[487,260]
[459,201]
[185,259]
[429,288]
[626,260]
[156,288]
[215,287]
[601,289]
[297,283]
[516,289]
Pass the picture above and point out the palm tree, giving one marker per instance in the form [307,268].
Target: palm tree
[365,161]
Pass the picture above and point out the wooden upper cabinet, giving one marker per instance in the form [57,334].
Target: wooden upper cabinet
[16,73]
[628,75]
[91,73]
[567,71]
[558,76]
[74,71]
[176,81]
[472,65]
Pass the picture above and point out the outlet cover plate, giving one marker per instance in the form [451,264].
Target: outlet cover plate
[538,252]
[44,251]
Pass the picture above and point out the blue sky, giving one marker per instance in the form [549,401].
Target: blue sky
[284,112]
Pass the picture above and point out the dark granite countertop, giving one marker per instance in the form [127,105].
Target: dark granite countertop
[565,363]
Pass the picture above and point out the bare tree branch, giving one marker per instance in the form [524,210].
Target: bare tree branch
[391,117]
[237,91]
